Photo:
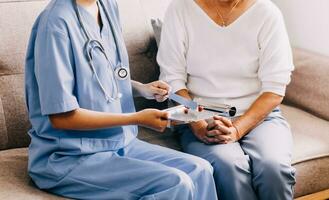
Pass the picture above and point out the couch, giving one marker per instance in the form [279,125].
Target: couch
[306,105]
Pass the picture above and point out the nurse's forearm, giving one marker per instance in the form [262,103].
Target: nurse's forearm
[82,119]
[257,112]
[136,88]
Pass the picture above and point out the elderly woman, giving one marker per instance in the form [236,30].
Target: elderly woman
[234,52]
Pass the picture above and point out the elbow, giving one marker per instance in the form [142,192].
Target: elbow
[56,122]
[61,121]
[276,99]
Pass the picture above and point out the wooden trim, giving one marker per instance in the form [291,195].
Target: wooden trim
[323,195]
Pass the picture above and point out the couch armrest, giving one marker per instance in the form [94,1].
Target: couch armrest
[309,88]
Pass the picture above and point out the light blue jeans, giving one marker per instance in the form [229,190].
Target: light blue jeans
[256,167]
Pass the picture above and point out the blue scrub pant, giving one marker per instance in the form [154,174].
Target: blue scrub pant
[257,167]
[140,171]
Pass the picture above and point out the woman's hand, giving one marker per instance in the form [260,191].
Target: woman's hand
[153,119]
[157,90]
[223,130]
[200,131]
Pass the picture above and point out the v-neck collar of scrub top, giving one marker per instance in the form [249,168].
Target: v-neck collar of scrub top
[104,34]
[91,21]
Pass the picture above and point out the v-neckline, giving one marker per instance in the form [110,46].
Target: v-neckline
[236,21]
[101,29]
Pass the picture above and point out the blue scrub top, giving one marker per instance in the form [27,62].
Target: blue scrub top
[59,79]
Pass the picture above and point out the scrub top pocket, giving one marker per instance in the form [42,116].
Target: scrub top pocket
[70,146]
[94,145]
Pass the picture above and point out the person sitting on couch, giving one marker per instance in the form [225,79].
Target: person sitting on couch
[234,52]
[80,103]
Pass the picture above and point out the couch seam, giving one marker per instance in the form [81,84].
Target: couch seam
[5,135]
[311,159]
[11,74]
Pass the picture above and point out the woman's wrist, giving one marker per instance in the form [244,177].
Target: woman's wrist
[197,126]
[238,133]
[242,125]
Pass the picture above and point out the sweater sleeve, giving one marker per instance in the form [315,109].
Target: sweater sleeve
[172,49]
[276,63]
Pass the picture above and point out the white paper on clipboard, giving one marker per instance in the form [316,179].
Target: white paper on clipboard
[178,114]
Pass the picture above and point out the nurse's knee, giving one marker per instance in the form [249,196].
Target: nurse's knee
[202,166]
[178,180]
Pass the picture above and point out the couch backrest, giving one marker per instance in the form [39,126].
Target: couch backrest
[16,19]
[309,88]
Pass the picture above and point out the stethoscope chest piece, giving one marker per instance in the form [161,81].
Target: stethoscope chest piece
[121,73]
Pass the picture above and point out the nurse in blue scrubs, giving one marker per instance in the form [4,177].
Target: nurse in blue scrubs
[84,125]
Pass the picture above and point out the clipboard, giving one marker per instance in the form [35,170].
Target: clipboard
[178,114]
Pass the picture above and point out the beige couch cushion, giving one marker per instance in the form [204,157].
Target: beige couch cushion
[311,150]
[14,180]
[309,87]
[311,159]
[312,176]
[311,134]
[16,21]
[14,112]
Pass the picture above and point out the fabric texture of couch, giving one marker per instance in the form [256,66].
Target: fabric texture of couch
[306,107]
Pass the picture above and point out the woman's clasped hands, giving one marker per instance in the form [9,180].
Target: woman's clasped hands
[219,130]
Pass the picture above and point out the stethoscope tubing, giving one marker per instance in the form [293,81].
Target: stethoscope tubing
[89,47]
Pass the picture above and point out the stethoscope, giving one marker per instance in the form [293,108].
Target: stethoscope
[120,72]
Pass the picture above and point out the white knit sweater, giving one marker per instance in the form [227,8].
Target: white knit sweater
[231,65]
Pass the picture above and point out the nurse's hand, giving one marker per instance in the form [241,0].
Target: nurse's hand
[153,119]
[157,90]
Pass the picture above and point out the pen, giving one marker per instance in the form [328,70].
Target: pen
[213,110]
[231,112]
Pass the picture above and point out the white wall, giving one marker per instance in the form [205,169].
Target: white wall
[308,23]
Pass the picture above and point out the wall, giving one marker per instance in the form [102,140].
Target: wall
[308,23]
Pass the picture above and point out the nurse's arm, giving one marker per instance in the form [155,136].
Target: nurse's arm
[84,120]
